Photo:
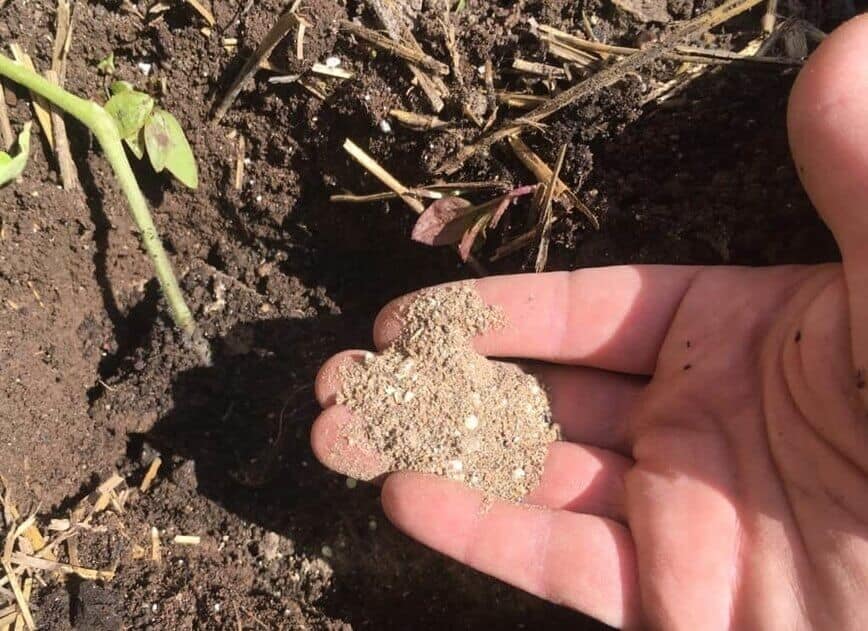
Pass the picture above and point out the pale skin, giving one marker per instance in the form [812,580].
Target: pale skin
[714,472]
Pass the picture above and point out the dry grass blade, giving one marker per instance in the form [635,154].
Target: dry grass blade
[62,40]
[420,122]
[68,170]
[156,556]
[23,605]
[398,20]
[407,53]
[8,136]
[28,588]
[432,191]
[538,69]
[546,216]
[37,563]
[603,78]
[154,467]
[543,174]
[568,53]
[691,54]
[271,39]
[240,157]
[40,105]
[770,17]
[328,71]
[521,100]
[202,10]
[371,165]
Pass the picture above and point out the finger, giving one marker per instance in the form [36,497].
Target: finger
[613,318]
[332,447]
[328,379]
[582,479]
[574,477]
[829,137]
[577,560]
[591,406]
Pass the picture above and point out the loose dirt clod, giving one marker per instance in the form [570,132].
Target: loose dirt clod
[430,403]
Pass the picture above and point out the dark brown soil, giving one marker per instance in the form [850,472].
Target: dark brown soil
[94,380]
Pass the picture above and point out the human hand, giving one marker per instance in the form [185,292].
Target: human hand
[715,468]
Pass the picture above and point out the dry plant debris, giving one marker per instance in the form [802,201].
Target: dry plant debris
[430,403]
[602,79]
[28,555]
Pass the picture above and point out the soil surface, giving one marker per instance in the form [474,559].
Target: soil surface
[93,379]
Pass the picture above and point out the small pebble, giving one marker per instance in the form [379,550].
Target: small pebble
[385,126]
[145,67]
[471,422]
[327,552]
[352,483]
[332,62]
[456,465]
[518,474]
[369,357]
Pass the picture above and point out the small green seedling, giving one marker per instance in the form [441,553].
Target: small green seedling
[107,64]
[145,127]
[111,126]
[11,168]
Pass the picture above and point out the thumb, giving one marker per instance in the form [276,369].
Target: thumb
[828,128]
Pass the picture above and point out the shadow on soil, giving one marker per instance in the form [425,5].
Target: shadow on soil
[245,422]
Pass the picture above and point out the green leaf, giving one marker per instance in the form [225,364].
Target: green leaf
[168,148]
[136,145]
[121,86]
[11,168]
[130,109]
[107,65]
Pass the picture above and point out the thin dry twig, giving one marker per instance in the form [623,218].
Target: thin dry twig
[521,100]
[373,167]
[538,69]
[407,53]
[770,17]
[154,467]
[395,19]
[328,71]
[68,170]
[603,78]
[23,606]
[62,40]
[284,23]
[451,41]
[202,10]
[543,174]
[546,216]
[8,136]
[420,122]
[40,105]
[432,191]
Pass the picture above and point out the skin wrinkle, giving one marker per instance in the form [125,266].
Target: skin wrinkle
[800,388]
[543,553]
[477,531]
[775,359]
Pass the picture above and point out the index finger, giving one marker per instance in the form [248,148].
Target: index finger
[614,318]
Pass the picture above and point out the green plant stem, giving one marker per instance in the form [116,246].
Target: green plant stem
[95,118]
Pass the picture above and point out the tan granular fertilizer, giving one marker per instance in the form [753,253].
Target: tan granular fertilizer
[430,403]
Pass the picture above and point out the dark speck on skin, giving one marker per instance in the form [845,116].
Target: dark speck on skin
[798,337]
[688,366]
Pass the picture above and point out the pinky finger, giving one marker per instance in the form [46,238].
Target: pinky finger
[577,560]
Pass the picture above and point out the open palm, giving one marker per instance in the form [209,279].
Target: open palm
[715,468]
